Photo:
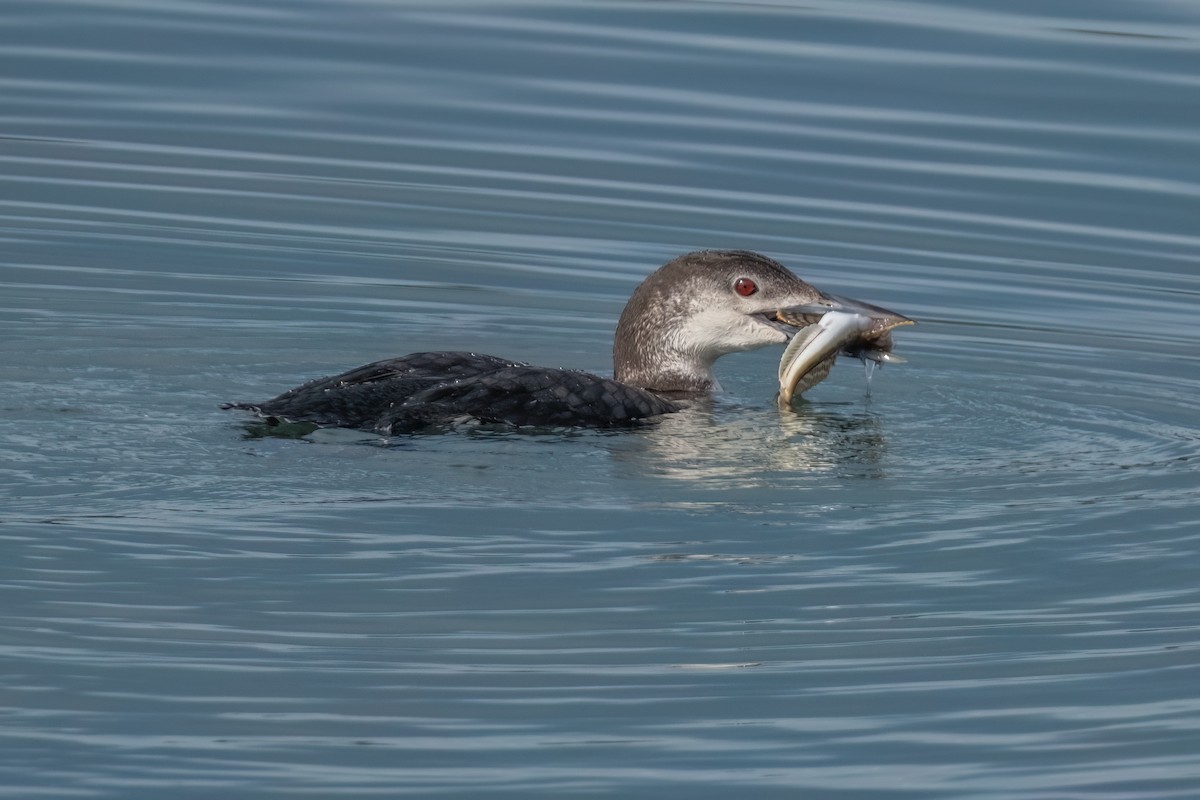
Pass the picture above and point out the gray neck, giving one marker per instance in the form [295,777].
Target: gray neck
[649,350]
[650,372]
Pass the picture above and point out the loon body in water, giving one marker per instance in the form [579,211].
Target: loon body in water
[683,317]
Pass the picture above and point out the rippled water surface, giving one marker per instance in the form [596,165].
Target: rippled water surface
[978,581]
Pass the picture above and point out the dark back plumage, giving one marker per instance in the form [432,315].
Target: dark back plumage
[426,390]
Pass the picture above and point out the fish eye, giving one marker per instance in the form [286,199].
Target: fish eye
[745,287]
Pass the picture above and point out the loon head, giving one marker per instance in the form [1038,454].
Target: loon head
[698,307]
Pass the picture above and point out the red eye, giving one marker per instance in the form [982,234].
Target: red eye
[745,287]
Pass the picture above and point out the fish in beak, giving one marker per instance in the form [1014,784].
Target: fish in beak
[830,327]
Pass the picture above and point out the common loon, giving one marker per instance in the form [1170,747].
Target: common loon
[683,317]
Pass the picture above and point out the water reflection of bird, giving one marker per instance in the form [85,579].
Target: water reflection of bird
[707,449]
[682,318]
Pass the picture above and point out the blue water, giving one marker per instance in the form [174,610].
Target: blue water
[978,580]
